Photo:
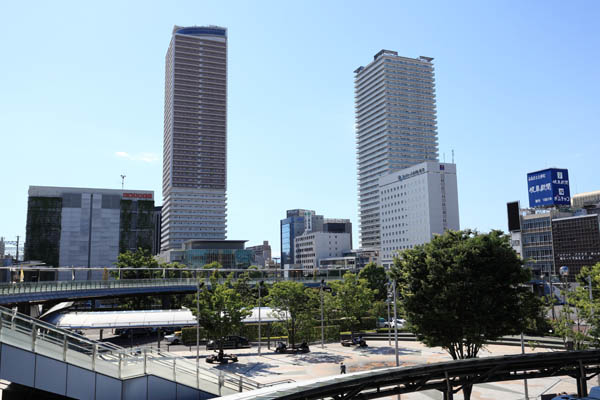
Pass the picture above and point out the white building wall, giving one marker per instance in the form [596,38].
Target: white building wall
[416,203]
[314,246]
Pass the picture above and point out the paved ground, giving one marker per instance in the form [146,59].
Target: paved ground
[272,367]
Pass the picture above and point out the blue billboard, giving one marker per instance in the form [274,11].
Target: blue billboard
[549,187]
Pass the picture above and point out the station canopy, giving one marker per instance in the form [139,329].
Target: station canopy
[144,318]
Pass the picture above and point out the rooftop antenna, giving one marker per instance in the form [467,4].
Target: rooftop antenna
[452,156]
[123,181]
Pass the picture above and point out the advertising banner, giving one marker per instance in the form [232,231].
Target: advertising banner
[549,187]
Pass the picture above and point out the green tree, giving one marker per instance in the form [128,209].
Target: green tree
[294,304]
[353,298]
[463,289]
[578,323]
[376,279]
[141,259]
[221,310]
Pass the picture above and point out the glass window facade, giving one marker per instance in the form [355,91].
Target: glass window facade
[228,258]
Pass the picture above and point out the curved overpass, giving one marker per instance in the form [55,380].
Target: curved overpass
[447,377]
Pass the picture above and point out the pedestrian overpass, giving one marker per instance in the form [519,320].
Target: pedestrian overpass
[39,355]
[63,284]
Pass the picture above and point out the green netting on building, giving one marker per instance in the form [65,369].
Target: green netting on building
[43,229]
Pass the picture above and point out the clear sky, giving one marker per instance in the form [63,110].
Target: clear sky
[82,91]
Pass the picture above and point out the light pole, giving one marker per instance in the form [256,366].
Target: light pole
[395,324]
[198,286]
[389,318]
[259,318]
[322,316]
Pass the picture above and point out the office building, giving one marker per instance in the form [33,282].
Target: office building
[301,221]
[87,227]
[295,224]
[416,203]
[395,110]
[261,254]
[195,137]
[311,247]
[157,221]
[576,242]
[582,200]
[231,254]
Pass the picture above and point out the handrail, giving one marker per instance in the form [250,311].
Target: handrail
[43,338]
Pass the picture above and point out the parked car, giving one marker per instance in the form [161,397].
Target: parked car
[133,331]
[229,342]
[381,322]
[174,338]
[399,323]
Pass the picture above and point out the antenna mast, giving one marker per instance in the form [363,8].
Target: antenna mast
[123,181]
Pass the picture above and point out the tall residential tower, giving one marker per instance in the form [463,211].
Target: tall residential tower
[395,127]
[195,137]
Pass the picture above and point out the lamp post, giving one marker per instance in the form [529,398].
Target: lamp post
[389,318]
[198,286]
[395,323]
[259,318]
[322,316]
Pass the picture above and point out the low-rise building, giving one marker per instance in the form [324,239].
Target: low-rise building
[231,254]
[261,254]
[314,246]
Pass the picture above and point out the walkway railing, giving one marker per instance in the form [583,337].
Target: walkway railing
[80,279]
[38,337]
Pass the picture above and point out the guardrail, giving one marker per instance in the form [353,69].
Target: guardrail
[113,279]
[38,337]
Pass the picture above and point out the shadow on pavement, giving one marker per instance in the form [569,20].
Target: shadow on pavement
[388,350]
[317,357]
[252,369]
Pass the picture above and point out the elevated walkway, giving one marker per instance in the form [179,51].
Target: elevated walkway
[70,288]
[38,355]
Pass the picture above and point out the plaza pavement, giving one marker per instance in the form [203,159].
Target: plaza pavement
[272,367]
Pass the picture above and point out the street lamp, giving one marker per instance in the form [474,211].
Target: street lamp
[389,318]
[322,317]
[259,318]
[395,323]
[198,287]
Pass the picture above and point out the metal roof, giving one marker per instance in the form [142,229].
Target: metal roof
[145,318]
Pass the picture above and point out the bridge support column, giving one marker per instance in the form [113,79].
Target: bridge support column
[448,393]
[581,382]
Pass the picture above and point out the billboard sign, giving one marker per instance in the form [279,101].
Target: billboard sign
[549,187]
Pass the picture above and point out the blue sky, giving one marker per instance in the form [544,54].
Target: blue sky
[82,90]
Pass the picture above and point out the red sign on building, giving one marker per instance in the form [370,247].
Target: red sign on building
[137,196]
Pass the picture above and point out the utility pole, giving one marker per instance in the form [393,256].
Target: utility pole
[17,249]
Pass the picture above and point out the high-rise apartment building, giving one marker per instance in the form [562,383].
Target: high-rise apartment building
[395,127]
[195,137]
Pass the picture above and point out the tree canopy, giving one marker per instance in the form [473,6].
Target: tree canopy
[221,310]
[464,288]
[376,279]
[291,299]
[353,297]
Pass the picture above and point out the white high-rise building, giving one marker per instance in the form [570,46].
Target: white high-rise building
[395,127]
[195,137]
[416,203]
